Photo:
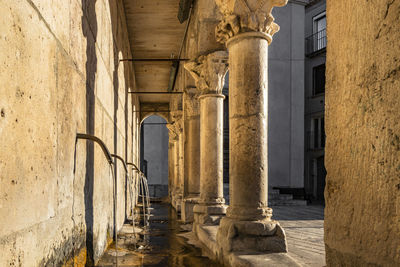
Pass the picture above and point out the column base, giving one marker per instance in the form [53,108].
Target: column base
[187,215]
[208,214]
[257,236]
[176,201]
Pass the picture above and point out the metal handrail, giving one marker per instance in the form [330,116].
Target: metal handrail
[316,42]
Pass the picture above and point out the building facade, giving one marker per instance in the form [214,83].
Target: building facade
[314,122]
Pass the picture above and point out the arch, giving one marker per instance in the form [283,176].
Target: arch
[154,156]
[145,115]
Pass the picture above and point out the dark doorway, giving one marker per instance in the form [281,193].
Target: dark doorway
[321,175]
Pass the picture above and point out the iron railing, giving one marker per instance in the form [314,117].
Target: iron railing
[315,140]
[316,43]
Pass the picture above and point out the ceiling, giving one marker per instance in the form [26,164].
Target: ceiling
[154,33]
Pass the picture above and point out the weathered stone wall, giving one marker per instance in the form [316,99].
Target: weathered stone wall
[60,75]
[362,215]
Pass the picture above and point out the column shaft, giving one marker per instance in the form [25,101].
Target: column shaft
[171,167]
[248,105]
[176,167]
[211,149]
[192,157]
[181,164]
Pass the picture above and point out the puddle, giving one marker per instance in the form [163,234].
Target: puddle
[159,245]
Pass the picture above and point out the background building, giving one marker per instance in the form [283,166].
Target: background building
[154,138]
[286,103]
[314,122]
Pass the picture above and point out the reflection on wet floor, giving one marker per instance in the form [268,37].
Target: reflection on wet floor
[159,245]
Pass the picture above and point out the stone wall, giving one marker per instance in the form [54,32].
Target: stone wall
[60,75]
[362,215]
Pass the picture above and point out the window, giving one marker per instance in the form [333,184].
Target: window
[319,79]
[319,22]
[317,41]
[317,137]
[319,30]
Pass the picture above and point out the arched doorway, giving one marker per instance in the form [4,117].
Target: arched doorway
[154,154]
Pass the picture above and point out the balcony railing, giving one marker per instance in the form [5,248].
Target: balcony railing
[315,141]
[316,42]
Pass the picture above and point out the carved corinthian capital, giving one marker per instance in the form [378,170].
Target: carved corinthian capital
[241,16]
[209,71]
[191,103]
[173,135]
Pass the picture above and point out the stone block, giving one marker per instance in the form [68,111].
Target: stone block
[257,236]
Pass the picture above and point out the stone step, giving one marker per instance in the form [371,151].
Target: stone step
[280,197]
[273,191]
[292,202]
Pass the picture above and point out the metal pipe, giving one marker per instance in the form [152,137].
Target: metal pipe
[156,110]
[155,59]
[134,166]
[155,123]
[186,31]
[99,141]
[110,161]
[175,65]
[155,93]
[122,160]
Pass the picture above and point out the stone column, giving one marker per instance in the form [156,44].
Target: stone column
[180,161]
[247,29]
[177,127]
[209,72]
[171,165]
[191,190]
[173,162]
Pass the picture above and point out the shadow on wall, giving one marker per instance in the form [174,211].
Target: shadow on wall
[90,31]
[89,28]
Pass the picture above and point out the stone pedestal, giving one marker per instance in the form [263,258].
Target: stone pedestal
[209,72]
[247,33]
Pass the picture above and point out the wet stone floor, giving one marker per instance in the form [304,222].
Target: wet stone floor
[159,245]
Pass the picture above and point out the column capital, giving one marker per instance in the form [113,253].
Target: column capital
[241,16]
[209,71]
[173,135]
[176,115]
[191,103]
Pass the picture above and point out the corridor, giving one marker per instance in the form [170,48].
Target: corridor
[244,133]
[159,245]
[169,242]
